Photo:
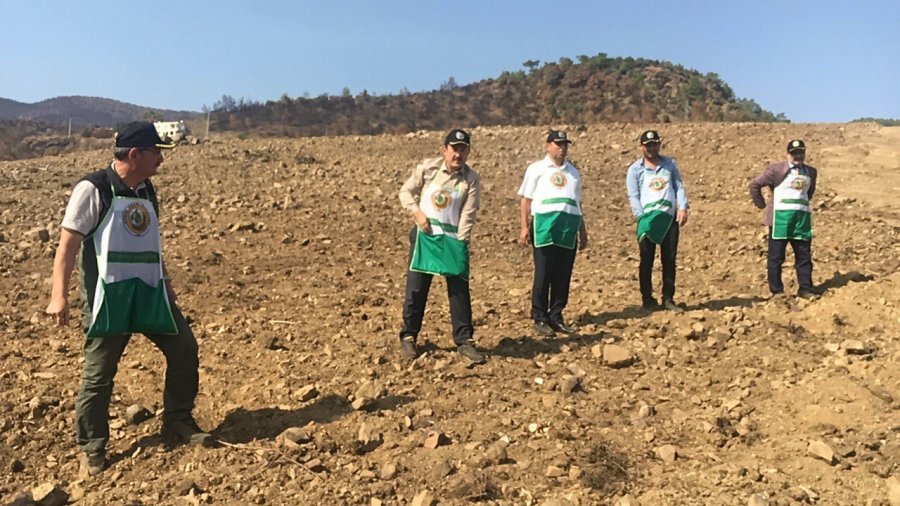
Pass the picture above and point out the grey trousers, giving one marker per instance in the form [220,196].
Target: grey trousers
[101,362]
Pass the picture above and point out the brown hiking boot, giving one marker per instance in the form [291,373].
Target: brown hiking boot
[187,432]
[91,464]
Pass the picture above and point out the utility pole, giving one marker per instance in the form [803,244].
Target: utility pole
[207,123]
[70,127]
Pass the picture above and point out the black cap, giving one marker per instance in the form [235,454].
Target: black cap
[457,136]
[557,136]
[796,145]
[650,136]
[140,134]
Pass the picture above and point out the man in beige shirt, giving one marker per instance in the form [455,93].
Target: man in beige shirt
[443,197]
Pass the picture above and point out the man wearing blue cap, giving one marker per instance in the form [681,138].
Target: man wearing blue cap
[112,219]
[660,207]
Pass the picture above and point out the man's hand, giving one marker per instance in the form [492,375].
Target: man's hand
[170,292]
[58,309]
[582,241]
[681,217]
[524,237]
[422,222]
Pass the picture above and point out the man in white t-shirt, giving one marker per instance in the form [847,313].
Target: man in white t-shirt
[112,220]
[553,222]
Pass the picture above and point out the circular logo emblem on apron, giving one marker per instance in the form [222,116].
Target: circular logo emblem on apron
[658,184]
[558,179]
[440,199]
[798,183]
[136,218]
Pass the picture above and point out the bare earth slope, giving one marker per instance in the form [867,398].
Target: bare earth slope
[290,255]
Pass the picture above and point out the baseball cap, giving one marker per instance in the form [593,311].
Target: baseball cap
[650,136]
[796,145]
[457,136]
[140,134]
[557,136]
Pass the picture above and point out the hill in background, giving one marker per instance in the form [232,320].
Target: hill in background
[591,90]
[84,111]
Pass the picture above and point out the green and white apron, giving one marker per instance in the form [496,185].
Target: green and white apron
[658,201]
[441,252]
[130,295]
[791,217]
[556,209]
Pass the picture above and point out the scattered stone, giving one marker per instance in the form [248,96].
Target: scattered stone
[627,500]
[293,437]
[388,471]
[818,449]
[667,453]
[185,487]
[315,465]
[553,472]
[136,414]
[267,342]
[758,500]
[38,406]
[893,490]
[616,356]
[366,394]
[434,438]
[495,454]
[49,494]
[368,438]
[423,498]
[16,466]
[441,470]
[855,347]
[569,384]
[306,393]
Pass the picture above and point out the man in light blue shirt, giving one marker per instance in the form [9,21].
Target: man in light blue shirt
[660,206]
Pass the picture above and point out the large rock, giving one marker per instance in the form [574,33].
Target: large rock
[819,450]
[616,356]
[49,494]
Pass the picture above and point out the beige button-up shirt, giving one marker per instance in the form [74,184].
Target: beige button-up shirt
[436,171]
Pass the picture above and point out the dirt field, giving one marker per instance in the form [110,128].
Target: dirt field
[289,256]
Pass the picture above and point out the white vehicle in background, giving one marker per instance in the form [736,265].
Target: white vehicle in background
[172,131]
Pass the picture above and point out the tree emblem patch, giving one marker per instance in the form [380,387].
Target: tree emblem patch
[798,183]
[658,184]
[558,179]
[136,219]
[440,199]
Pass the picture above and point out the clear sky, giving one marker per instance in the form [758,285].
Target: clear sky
[815,61]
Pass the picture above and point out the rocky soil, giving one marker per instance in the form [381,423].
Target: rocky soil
[289,257]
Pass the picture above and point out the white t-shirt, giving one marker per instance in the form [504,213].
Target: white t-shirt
[83,209]
[540,168]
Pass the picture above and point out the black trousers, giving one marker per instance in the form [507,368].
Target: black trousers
[802,263]
[669,251]
[552,274]
[417,286]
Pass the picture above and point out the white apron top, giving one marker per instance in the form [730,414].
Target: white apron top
[791,215]
[130,295]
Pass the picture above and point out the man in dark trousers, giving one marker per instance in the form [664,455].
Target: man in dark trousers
[442,195]
[788,216]
[660,206]
[552,220]
[112,219]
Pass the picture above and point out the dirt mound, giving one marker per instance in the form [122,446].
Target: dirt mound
[289,257]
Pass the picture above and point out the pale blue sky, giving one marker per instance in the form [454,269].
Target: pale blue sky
[816,61]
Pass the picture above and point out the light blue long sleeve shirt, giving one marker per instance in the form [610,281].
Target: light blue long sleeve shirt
[635,181]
